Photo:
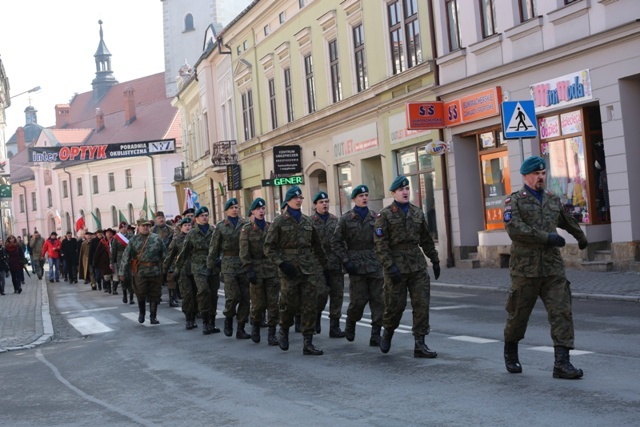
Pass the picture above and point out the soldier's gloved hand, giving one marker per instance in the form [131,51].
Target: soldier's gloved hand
[350,267]
[555,240]
[394,274]
[219,263]
[436,270]
[251,275]
[583,245]
[327,276]
[288,269]
[209,273]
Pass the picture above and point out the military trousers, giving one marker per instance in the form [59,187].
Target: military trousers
[332,292]
[366,289]
[418,285]
[299,295]
[264,296]
[555,293]
[188,291]
[149,287]
[207,293]
[236,294]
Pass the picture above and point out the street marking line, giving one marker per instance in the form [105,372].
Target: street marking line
[449,307]
[89,325]
[90,310]
[547,349]
[475,340]
[445,294]
[162,320]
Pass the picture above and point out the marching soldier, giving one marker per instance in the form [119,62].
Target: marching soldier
[331,285]
[143,260]
[118,245]
[292,244]
[353,245]
[226,244]
[194,255]
[400,230]
[262,274]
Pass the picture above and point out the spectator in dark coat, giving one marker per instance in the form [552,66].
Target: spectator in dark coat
[93,246]
[16,263]
[69,252]
[4,267]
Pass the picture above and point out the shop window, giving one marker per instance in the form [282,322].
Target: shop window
[496,182]
[345,186]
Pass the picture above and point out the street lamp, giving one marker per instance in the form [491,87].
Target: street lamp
[35,89]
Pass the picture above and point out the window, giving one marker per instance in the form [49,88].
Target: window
[527,9]
[34,205]
[112,182]
[334,64]
[245,45]
[238,50]
[22,207]
[49,198]
[247,115]
[267,30]
[344,186]
[127,178]
[79,185]
[98,218]
[360,63]
[188,23]
[94,179]
[311,86]
[67,219]
[488,14]
[272,103]
[114,215]
[570,1]
[301,3]
[288,95]
[452,24]
[403,23]
[65,189]
[282,17]
[496,181]
[130,213]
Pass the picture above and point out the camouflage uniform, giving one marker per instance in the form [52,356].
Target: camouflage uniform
[226,244]
[353,242]
[536,268]
[166,234]
[185,278]
[117,250]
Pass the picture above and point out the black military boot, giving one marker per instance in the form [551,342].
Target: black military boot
[115,288]
[563,367]
[131,298]
[511,361]
[107,287]
[206,324]
[241,334]
[271,338]
[124,296]
[318,327]
[194,325]
[228,326]
[374,341]
[421,349]
[309,349]
[334,329]
[255,332]
[173,302]
[350,330]
[263,324]
[212,322]
[297,319]
[190,323]
[153,309]
[385,341]
[142,307]
[283,339]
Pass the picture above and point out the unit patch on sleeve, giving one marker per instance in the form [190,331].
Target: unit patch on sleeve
[507,216]
[379,232]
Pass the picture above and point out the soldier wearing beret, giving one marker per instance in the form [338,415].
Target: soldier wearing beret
[118,245]
[400,231]
[261,272]
[292,244]
[532,216]
[330,281]
[166,233]
[194,256]
[353,244]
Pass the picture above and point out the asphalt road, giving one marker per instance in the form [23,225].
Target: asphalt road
[131,374]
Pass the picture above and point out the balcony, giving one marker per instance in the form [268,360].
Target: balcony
[223,153]
[181,173]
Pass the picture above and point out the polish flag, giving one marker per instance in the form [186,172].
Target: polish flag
[122,239]
[79,223]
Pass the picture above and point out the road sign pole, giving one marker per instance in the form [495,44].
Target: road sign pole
[521,150]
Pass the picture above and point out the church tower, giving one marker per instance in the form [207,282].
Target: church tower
[104,76]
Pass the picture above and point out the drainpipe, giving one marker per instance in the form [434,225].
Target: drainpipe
[26,208]
[73,212]
[153,183]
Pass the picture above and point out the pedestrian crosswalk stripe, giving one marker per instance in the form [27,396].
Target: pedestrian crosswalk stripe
[449,307]
[475,340]
[89,310]
[89,325]
[548,349]
[162,320]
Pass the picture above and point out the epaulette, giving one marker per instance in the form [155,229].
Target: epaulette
[394,208]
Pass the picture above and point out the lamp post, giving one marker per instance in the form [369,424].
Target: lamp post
[34,89]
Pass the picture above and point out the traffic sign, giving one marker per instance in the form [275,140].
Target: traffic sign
[519,119]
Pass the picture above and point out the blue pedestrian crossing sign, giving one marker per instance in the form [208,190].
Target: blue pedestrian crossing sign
[519,120]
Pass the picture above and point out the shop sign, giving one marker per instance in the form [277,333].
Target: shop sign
[287,159]
[398,131]
[234,179]
[284,180]
[425,115]
[5,169]
[361,139]
[562,91]
[70,153]
[571,122]
[549,127]
[473,107]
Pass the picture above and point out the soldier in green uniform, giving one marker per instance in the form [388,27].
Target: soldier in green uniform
[261,272]
[194,255]
[142,259]
[226,244]
[292,244]
[353,245]
[400,230]
[182,278]
[166,233]
[531,216]
[118,245]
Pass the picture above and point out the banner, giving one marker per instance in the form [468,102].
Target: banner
[72,153]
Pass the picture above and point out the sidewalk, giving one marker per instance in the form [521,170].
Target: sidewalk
[26,322]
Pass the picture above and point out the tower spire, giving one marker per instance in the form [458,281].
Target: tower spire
[104,76]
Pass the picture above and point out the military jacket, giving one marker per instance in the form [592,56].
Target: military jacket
[252,250]
[194,251]
[117,250]
[295,242]
[397,237]
[225,243]
[353,241]
[150,258]
[172,253]
[35,247]
[325,231]
[165,232]
[528,223]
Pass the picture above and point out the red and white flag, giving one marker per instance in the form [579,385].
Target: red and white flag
[79,223]
[122,239]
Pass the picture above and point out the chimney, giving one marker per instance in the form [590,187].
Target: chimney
[20,136]
[129,106]
[99,120]
[62,115]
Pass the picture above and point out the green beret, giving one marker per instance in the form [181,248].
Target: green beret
[320,195]
[359,190]
[400,181]
[201,210]
[185,220]
[533,163]
[257,203]
[231,202]
[294,191]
